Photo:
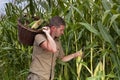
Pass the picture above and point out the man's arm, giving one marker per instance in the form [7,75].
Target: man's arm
[49,44]
[71,56]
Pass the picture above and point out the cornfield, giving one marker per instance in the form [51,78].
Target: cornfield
[92,25]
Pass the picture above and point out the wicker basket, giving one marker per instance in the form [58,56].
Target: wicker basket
[26,35]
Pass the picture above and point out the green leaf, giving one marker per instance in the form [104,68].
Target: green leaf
[90,28]
[32,8]
[113,18]
[106,4]
[106,13]
[76,9]
[107,37]
[115,27]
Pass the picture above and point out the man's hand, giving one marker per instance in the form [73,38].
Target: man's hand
[79,53]
[49,44]
[74,55]
[46,29]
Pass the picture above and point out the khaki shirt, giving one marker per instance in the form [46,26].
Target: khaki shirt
[43,60]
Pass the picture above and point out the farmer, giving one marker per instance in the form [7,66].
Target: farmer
[47,48]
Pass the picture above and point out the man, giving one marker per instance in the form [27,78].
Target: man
[47,49]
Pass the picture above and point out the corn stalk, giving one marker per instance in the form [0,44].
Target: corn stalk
[100,35]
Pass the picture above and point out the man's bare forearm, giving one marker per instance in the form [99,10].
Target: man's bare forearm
[68,57]
[71,56]
[51,43]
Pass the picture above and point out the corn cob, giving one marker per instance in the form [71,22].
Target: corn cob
[36,24]
[98,68]
[31,24]
[78,65]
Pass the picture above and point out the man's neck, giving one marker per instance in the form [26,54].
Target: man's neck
[52,35]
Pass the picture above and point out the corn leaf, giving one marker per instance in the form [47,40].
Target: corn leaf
[115,27]
[107,37]
[113,18]
[106,13]
[90,28]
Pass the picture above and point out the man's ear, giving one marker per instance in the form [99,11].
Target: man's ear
[53,27]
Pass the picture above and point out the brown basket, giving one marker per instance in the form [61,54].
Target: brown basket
[26,35]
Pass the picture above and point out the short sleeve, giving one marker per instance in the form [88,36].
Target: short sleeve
[39,38]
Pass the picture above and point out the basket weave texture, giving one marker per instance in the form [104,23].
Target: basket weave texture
[26,35]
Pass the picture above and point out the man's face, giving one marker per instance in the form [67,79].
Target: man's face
[59,31]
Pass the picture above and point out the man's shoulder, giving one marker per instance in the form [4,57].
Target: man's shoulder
[40,35]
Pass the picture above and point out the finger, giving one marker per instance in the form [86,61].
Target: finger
[45,28]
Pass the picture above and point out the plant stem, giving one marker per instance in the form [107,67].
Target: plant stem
[77,64]
[91,56]
[91,50]
[103,62]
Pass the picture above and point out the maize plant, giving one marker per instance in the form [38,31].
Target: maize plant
[79,65]
[93,24]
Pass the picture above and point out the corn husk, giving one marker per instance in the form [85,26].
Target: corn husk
[36,24]
[98,68]
[78,64]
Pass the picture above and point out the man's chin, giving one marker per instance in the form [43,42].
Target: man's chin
[56,37]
